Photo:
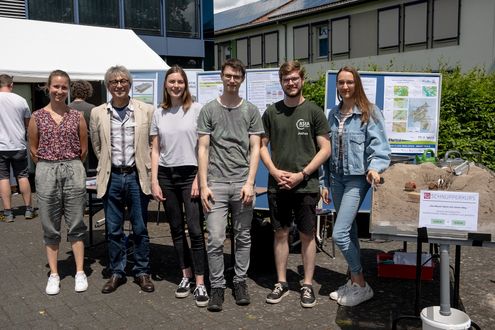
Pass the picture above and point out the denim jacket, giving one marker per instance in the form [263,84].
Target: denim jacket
[365,145]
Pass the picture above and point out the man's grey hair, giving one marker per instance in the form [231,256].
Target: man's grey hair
[117,70]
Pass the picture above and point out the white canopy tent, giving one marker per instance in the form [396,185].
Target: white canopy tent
[32,49]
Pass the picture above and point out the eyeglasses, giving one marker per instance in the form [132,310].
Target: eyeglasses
[122,82]
[236,77]
[344,82]
[287,80]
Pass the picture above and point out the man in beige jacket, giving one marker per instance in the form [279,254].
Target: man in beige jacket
[119,133]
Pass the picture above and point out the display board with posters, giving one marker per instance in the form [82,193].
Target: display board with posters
[261,87]
[410,103]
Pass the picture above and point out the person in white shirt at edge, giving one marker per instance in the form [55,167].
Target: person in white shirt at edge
[14,118]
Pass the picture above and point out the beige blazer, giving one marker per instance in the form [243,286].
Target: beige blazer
[99,128]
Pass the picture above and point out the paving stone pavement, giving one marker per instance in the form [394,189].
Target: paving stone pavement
[24,305]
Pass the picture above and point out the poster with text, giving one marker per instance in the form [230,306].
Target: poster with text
[263,88]
[452,210]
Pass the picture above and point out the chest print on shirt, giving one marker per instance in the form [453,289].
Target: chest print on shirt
[302,127]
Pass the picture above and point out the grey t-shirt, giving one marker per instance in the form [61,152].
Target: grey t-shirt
[13,110]
[178,135]
[229,130]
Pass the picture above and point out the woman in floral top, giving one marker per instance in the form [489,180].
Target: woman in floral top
[58,142]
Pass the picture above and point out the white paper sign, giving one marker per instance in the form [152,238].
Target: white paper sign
[449,210]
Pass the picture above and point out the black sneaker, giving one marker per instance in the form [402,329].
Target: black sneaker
[201,296]
[278,293]
[184,288]
[307,296]
[241,294]
[216,299]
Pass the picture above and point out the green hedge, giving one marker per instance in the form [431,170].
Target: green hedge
[467,113]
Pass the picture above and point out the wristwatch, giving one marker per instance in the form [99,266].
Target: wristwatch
[305,175]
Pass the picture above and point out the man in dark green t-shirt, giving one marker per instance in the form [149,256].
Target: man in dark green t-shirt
[297,132]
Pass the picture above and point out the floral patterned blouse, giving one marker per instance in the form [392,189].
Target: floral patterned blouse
[58,141]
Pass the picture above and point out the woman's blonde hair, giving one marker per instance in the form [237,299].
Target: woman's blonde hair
[186,96]
[360,98]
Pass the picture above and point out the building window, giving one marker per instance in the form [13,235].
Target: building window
[445,20]
[185,62]
[255,52]
[363,36]
[301,43]
[271,48]
[143,16]
[99,13]
[182,18]
[388,28]
[242,50]
[320,41]
[415,23]
[52,10]
[340,37]
[224,52]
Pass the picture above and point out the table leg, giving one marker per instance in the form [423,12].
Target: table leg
[444,280]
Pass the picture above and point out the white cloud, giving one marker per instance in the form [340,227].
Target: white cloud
[221,5]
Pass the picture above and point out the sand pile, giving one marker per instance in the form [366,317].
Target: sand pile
[394,206]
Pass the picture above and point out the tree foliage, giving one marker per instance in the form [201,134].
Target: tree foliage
[467,113]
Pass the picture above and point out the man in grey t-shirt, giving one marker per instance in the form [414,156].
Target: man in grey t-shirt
[229,131]
[14,118]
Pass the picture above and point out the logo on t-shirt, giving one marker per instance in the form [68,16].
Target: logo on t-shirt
[302,126]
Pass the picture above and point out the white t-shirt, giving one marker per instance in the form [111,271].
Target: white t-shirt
[177,133]
[13,110]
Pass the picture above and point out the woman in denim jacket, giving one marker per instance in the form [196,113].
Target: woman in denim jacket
[360,152]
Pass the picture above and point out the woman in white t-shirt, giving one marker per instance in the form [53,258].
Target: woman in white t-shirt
[174,181]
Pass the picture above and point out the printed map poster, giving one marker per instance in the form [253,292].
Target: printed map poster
[263,88]
[210,86]
[411,111]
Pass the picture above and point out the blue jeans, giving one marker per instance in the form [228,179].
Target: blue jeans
[124,191]
[348,192]
[227,197]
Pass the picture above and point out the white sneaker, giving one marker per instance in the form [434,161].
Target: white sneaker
[81,282]
[340,291]
[355,294]
[53,285]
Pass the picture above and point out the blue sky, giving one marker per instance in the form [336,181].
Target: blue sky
[221,5]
